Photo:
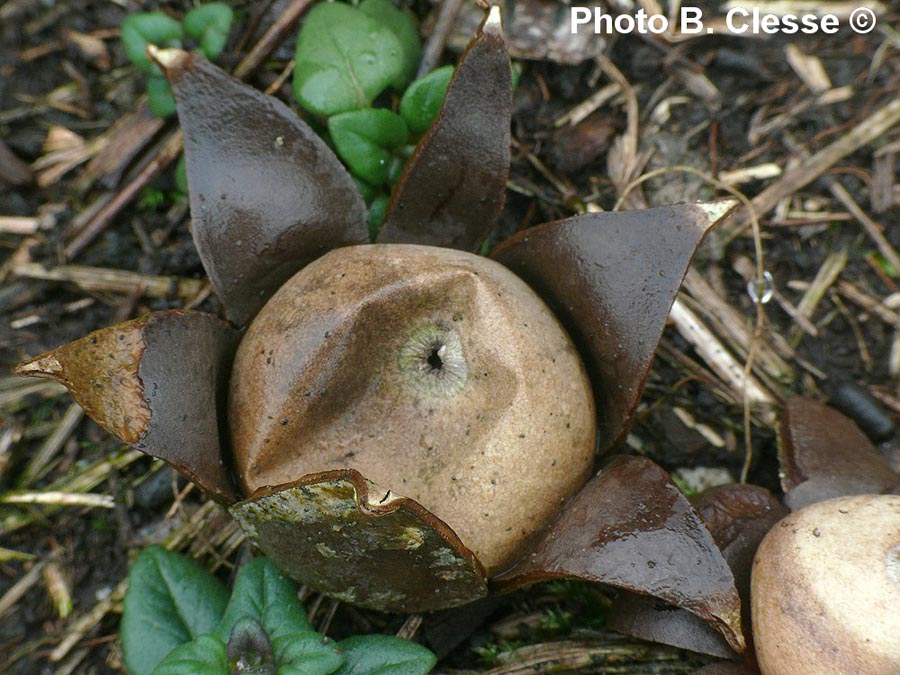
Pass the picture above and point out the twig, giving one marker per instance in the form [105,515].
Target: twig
[801,175]
[584,109]
[826,276]
[754,344]
[873,229]
[58,499]
[857,332]
[87,479]
[410,627]
[111,280]
[271,38]
[39,464]
[86,622]
[18,590]
[733,324]
[19,224]
[436,42]
[856,296]
[721,361]
[167,154]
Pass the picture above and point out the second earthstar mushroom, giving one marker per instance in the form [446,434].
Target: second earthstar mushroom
[826,590]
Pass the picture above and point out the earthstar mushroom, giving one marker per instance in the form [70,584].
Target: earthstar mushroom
[405,420]
[826,589]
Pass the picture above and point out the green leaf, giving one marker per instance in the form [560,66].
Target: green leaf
[367,191]
[402,24]
[203,656]
[181,182]
[139,30]
[209,24]
[159,96]
[344,59]
[306,654]
[264,593]
[384,655]
[170,600]
[364,138]
[422,102]
[396,168]
[377,211]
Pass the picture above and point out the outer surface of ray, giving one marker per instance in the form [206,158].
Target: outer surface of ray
[267,195]
[738,517]
[611,278]
[630,527]
[344,536]
[454,186]
[157,383]
[823,455]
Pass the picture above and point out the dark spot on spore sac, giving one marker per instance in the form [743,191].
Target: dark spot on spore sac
[434,358]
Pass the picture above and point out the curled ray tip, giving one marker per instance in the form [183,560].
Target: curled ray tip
[41,366]
[167,59]
[716,211]
[493,24]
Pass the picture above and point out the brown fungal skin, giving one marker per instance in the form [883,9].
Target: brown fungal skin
[630,527]
[826,589]
[611,279]
[435,373]
[159,384]
[111,394]
[251,243]
[823,455]
[454,186]
[737,516]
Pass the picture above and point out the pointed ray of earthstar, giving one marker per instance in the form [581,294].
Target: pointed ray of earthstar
[345,536]
[157,383]
[611,279]
[631,528]
[267,195]
[454,186]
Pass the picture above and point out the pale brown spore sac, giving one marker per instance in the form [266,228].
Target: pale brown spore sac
[435,373]
[826,589]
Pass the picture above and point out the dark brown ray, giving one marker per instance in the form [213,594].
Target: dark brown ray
[738,517]
[824,454]
[630,527]
[158,383]
[267,195]
[611,278]
[454,186]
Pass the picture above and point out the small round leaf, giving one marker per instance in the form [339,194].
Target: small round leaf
[139,30]
[159,96]
[423,100]
[384,655]
[402,24]
[170,601]
[209,24]
[344,59]
[363,140]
